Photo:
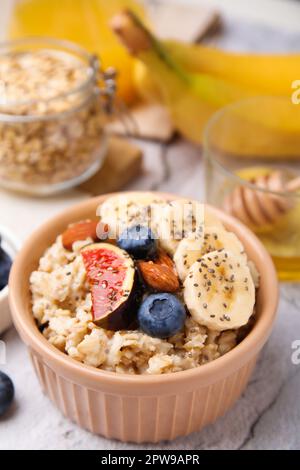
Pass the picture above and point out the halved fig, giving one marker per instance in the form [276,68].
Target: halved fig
[113,281]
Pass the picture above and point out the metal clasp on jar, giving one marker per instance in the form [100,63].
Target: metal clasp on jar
[107,88]
[106,84]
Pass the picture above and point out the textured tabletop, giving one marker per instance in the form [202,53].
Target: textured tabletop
[266,417]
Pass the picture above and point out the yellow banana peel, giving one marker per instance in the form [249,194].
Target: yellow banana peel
[269,74]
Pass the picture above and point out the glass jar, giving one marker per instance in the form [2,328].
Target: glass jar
[252,167]
[53,104]
[84,22]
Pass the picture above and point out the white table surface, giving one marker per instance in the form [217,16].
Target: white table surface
[266,417]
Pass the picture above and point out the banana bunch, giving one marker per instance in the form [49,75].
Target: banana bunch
[266,74]
[193,81]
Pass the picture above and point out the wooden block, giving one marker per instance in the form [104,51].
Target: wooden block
[123,162]
[152,122]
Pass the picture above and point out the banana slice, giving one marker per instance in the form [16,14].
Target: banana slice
[124,210]
[169,220]
[219,291]
[210,219]
[175,220]
[190,250]
[179,218]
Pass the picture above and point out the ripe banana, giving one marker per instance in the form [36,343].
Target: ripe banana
[219,291]
[146,86]
[270,74]
[192,97]
[189,250]
[178,219]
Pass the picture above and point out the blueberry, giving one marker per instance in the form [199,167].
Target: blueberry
[161,315]
[138,241]
[6,393]
[5,265]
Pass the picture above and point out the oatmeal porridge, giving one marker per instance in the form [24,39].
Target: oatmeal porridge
[138,303]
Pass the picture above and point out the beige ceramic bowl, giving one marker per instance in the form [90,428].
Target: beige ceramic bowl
[139,408]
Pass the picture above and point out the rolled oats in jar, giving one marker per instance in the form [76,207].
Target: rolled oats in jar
[52,115]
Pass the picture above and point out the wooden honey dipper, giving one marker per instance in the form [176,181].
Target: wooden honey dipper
[258,208]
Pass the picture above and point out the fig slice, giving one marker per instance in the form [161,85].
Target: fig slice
[113,280]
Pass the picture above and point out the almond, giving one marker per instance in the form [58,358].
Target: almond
[165,260]
[82,231]
[160,274]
